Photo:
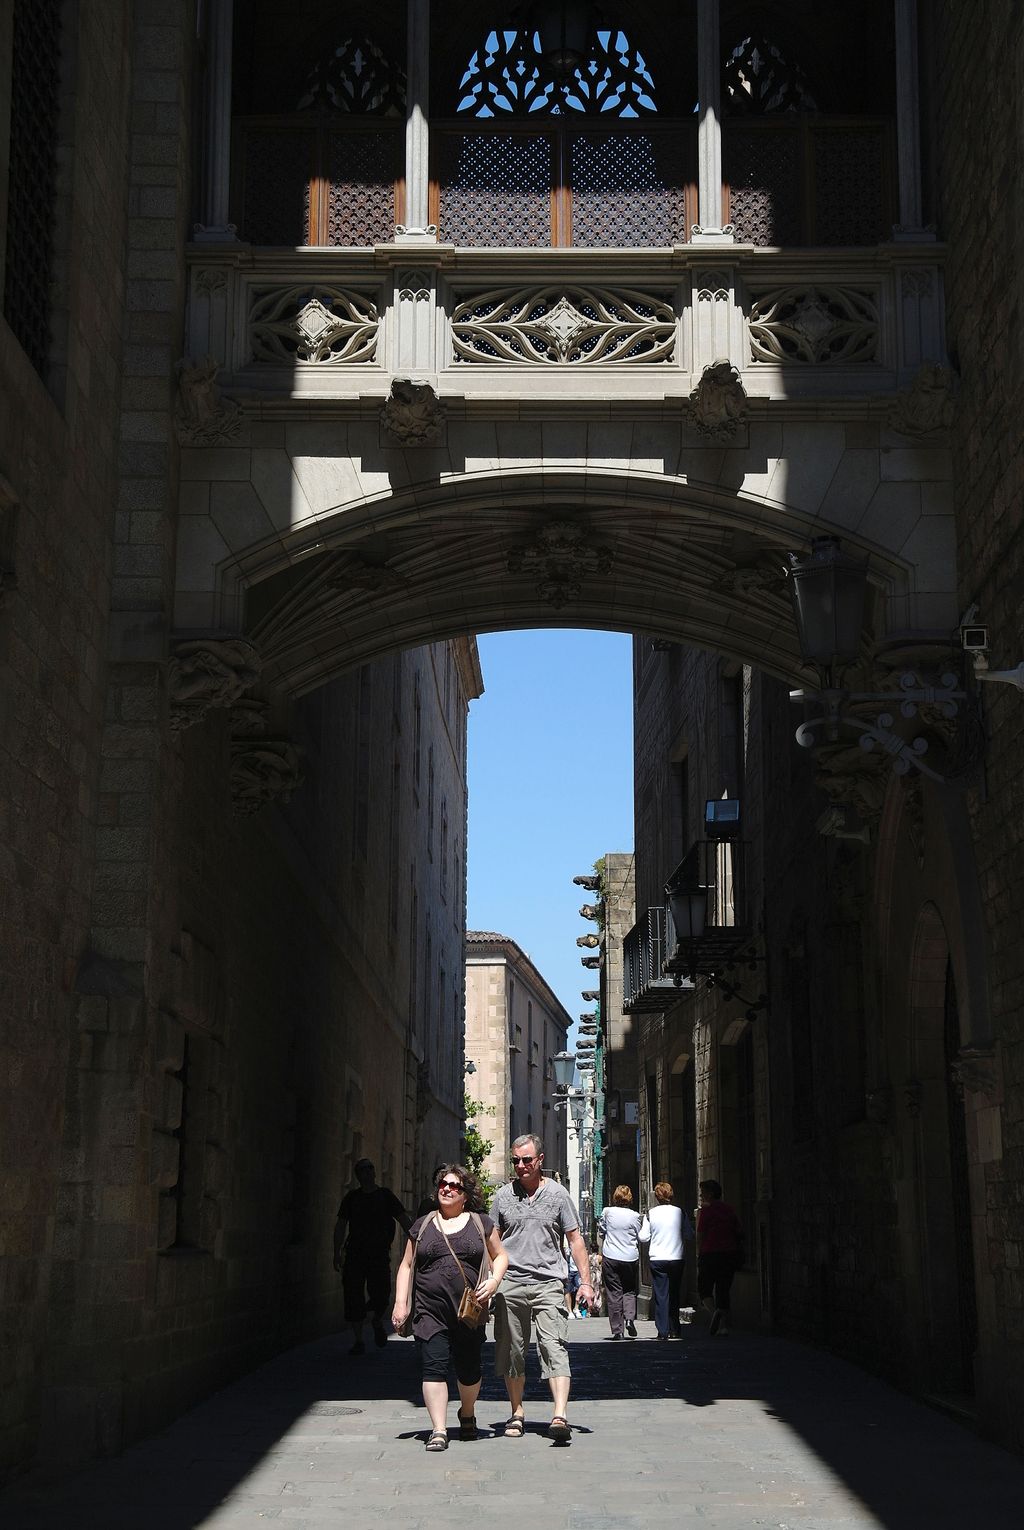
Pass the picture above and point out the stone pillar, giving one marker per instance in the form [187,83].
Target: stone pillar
[709,228]
[215,228]
[908,123]
[417,129]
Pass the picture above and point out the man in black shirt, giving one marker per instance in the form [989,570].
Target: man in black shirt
[363,1235]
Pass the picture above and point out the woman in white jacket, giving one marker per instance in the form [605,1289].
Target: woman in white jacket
[621,1228]
[666,1227]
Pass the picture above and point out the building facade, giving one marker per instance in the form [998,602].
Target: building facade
[514,1027]
[345,331]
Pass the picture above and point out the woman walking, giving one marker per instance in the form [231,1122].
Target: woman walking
[667,1226]
[621,1228]
[447,1254]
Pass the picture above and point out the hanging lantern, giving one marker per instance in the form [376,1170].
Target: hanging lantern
[565,33]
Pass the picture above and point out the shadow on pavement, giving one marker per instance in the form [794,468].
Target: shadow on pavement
[911,1468]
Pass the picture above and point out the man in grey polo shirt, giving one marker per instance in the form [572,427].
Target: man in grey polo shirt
[533,1215]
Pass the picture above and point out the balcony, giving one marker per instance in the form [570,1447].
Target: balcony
[718,866]
[647,989]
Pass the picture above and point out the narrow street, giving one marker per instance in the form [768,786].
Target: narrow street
[747,1431]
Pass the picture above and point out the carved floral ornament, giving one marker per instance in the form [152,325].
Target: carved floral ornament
[206,673]
[814,325]
[560,559]
[556,325]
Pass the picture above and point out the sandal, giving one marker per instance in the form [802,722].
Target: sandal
[438,1441]
[516,1427]
[467,1427]
[559,1430]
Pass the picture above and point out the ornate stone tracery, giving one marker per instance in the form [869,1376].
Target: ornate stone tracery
[206,673]
[314,326]
[509,77]
[814,325]
[564,325]
[560,559]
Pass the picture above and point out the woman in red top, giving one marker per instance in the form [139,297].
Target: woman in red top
[719,1252]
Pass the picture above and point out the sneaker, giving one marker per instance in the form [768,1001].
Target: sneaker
[380,1335]
[358,1348]
[631,1330]
[615,1336]
[716,1322]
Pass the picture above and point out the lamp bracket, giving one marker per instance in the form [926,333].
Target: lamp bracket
[875,723]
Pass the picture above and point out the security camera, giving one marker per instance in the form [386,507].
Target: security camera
[974,638]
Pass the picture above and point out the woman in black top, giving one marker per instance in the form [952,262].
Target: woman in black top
[444,1263]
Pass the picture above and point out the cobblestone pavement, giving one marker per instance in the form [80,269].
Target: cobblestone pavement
[742,1431]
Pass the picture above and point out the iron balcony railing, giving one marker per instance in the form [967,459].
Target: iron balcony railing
[646,986]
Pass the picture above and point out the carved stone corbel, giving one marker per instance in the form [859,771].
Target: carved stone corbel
[262,771]
[718,404]
[413,414]
[205,673]
[202,415]
[926,407]
[975,1069]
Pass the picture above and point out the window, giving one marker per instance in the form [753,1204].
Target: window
[32,175]
[430,804]
[509,76]
[417,735]
[444,848]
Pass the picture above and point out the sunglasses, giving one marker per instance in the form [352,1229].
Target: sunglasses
[451,1184]
[524,1160]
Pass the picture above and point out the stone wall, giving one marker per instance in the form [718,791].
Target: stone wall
[58,460]
[978,72]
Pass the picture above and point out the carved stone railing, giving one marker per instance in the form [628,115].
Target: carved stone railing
[551,324]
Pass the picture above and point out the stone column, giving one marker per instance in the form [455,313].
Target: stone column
[417,129]
[709,228]
[908,123]
[215,228]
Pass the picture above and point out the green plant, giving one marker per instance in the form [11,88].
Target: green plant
[476,1145]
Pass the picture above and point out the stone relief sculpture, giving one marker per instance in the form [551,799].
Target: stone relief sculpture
[927,406]
[560,558]
[207,673]
[202,415]
[413,414]
[354,572]
[267,770]
[718,404]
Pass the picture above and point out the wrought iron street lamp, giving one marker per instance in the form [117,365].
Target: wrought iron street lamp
[565,1067]
[828,589]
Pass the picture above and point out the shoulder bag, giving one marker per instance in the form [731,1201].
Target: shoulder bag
[472,1311]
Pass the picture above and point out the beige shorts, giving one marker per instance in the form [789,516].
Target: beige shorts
[520,1302]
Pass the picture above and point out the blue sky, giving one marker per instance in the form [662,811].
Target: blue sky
[550,788]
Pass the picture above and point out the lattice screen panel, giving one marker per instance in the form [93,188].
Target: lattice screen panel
[850,185]
[276,194]
[34,106]
[361,170]
[627,189]
[495,189]
[763,172]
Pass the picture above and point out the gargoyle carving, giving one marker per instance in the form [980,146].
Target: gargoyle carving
[413,414]
[202,416]
[718,404]
[590,911]
[262,771]
[207,673]
[927,406]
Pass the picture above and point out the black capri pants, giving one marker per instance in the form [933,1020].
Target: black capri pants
[461,1344]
